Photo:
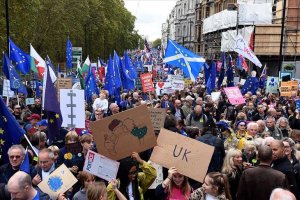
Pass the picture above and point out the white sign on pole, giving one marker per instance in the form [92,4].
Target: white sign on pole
[177,82]
[6,89]
[72,108]
[101,166]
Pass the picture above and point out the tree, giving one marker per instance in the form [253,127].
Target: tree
[156,43]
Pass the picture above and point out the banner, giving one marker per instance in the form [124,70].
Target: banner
[234,95]
[147,83]
[289,89]
[272,85]
[190,157]
[101,166]
[177,82]
[241,47]
[72,108]
[121,134]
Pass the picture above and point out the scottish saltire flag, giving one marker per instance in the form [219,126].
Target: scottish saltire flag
[90,86]
[25,166]
[51,104]
[12,75]
[10,130]
[222,72]
[229,73]
[263,78]
[21,58]
[189,62]
[69,63]
[251,85]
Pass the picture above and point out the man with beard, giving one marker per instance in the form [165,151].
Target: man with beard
[196,118]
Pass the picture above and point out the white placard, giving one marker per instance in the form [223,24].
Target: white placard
[6,89]
[159,175]
[29,101]
[177,82]
[101,166]
[72,108]
[215,96]
[242,82]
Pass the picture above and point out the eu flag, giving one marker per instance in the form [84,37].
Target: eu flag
[116,70]
[69,54]
[229,73]
[21,58]
[12,75]
[51,104]
[10,130]
[25,166]
[90,86]
[109,78]
[222,73]
[188,61]
[251,85]
[127,73]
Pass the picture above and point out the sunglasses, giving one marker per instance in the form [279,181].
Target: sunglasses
[133,172]
[12,157]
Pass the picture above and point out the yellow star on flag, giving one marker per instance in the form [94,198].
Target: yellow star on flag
[1,131]
[51,121]
[4,119]
[2,142]
[56,116]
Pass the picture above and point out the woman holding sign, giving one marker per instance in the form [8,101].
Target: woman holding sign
[134,181]
[175,186]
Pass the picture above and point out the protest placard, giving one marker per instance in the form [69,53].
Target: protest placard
[121,134]
[234,95]
[215,96]
[289,88]
[177,82]
[190,157]
[29,101]
[159,175]
[72,108]
[58,182]
[158,116]
[7,92]
[272,85]
[63,83]
[147,83]
[101,166]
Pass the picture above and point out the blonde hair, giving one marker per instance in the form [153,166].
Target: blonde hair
[250,145]
[228,165]
[185,187]
[54,149]
[96,191]
[71,135]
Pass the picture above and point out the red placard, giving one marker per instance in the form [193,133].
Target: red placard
[147,83]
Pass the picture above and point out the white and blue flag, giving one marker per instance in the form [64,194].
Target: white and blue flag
[189,62]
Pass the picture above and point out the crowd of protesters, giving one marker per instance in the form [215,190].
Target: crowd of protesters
[256,149]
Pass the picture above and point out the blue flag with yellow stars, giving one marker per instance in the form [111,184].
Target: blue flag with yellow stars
[12,75]
[189,62]
[90,86]
[230,73]
[21,58]
[25,166]
[51,105]
[251,85]
[10,131]
[69,54]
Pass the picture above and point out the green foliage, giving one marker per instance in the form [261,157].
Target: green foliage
[156,43]
[99,26]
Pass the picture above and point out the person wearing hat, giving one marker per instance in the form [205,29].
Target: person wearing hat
[242,134]
[187,107]
[32,127]
[209,136]
[228,135]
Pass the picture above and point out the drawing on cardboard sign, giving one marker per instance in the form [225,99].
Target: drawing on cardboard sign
[118,128]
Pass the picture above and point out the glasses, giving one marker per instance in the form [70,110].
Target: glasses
[242,124]
[12,157]
[133,172]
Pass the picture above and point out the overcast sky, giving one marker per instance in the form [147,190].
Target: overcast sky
[150,15]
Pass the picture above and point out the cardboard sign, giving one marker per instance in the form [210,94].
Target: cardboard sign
[289,88]
[72,108]
[64,83]
[215,96]
[147,83]
[158,116]
[188,82]
[119,135]
[234,95]
[101,166]
[272,85]
[58,182]
[190,157]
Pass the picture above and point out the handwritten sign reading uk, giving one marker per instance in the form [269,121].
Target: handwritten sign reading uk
[234,95]
[190,157]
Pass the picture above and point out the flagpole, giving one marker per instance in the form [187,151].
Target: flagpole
[30,145]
